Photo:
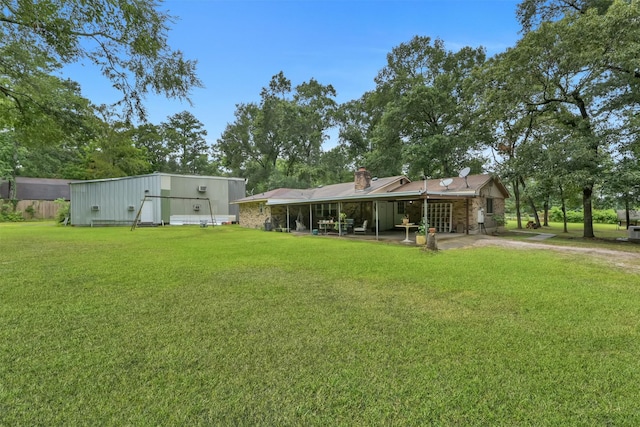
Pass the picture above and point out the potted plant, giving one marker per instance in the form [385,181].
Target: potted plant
[421,233]
[405,219]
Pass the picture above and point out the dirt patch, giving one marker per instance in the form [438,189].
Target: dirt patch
[626,260]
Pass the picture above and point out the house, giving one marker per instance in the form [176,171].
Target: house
[634,217]
[155,199]
[467,204]
[37,195]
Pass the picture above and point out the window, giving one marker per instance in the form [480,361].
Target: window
[402,208]
[326,210]
[261,208]
[489,209]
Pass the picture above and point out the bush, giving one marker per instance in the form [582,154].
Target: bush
[605,216]
[63,209]
[8,214]
[31,211]
[600,216]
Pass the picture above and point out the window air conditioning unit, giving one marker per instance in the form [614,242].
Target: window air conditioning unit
[202,188]
[95,208]
[196,207]
[131,208]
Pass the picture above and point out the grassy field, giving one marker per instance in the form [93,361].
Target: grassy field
[607,235]
[229,326]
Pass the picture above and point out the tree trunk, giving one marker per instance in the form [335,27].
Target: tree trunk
[564,209]
[546,212]
[535,211]
[587,191]
[626,211]
[532,204]
[516,194]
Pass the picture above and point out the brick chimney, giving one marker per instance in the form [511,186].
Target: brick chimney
[362,179]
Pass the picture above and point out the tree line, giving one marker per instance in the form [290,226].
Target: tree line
[555,115]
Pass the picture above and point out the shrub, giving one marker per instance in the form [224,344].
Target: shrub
[600,216]
[31,211]
[63,209]
[605,216]
[8,213]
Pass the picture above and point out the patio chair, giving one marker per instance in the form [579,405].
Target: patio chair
[362,229]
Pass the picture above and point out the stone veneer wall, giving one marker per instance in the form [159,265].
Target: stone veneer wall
[251,217]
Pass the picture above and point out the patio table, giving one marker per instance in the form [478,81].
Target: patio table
[407,227]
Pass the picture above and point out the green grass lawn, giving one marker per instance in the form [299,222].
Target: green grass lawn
[607,236]
[230,326]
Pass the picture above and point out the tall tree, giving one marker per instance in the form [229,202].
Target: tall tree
[149,138]
[280,139]
[184,137]
[126,39]
[577,81]
[429,107]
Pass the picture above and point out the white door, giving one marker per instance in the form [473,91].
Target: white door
[147,211]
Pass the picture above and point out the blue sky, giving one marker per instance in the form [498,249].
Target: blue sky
[241,44]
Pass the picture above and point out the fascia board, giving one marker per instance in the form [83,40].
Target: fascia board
[352,198]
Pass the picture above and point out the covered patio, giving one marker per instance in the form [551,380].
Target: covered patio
[376,207]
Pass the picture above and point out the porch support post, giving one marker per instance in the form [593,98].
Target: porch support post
[339,224]
[377,219]
[311,218]
[466,203]
[288,223]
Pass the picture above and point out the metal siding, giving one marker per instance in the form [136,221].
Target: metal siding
[237,190]
[114,196]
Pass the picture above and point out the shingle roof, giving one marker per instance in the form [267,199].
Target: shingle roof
[38,188]
[394,186]
[333,191]
[458,186]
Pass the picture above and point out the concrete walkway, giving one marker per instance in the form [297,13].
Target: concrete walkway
[542,236]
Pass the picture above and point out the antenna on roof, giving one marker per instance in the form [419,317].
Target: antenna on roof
[463,174]
[446,182]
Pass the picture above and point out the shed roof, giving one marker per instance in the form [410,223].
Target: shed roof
[155,174]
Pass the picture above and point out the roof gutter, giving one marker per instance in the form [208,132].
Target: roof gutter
[355,197]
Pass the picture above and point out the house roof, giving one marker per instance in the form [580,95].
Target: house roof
[395,187]
[38,188]
[633,215]
[380,187]
[459,187]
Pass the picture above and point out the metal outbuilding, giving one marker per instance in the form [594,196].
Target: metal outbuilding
[157,198]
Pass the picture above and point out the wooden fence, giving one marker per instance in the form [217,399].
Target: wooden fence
[41,209]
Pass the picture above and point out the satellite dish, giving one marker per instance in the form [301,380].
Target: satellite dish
[463,174]
[446,182]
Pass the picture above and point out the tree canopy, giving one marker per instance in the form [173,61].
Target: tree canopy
[126,39]
[556,115]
